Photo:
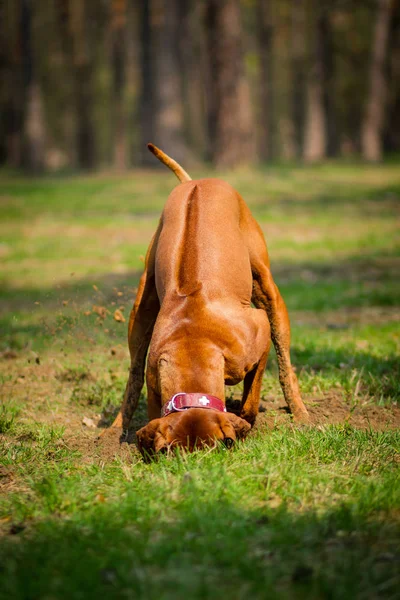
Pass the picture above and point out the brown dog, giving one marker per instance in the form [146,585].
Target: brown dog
[206,264]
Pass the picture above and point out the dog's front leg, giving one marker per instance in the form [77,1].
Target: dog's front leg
[266,295]
[141,324]
[142,320]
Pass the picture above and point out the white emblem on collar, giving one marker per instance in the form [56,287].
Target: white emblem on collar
[204,401]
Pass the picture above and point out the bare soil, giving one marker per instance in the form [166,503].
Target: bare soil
[46,398]
[326,410]
[332,409]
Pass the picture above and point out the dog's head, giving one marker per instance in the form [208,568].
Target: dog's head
[190,429]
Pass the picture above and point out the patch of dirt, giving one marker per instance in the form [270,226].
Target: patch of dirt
[331,409]
[327,410]
[106,447]
[37,388]
[74,375]
[6,477]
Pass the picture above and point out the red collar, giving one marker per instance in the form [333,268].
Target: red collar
[181,401]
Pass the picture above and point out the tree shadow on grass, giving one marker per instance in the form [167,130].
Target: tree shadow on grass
[344,199]
[370,280]
[94,289]
[332,293]
[189,547]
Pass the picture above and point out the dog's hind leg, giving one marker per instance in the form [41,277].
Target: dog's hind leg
[266,295]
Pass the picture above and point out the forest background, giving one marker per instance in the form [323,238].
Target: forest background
[293,512]
[85,84]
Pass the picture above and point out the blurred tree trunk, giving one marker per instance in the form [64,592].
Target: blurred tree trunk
[264,43]
[192,68]
[392,129]
[118,52]
[4,83]
[372,127]
[147,99]
[83,71]
[77,59]
[230,118]
[33,149]
[133,83]
[298,70]
[68,116]
[10,86]
[315,135]
[283,84]
[169,114]
[329,92]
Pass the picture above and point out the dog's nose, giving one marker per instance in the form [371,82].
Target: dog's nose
[229,442]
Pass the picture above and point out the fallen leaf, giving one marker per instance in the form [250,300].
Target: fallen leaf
[118,316]
[96,289]
[100,310]
[88,422]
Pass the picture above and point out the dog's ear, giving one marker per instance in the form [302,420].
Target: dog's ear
[240,426]
[151,438]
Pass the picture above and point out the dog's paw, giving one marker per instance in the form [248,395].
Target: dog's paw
[301,417]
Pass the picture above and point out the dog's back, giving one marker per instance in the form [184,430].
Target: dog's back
[200,250]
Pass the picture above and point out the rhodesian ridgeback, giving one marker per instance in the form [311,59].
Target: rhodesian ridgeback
[206,310]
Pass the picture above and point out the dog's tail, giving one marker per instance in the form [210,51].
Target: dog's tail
[170,162]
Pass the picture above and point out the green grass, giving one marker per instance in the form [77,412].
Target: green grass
[291,512]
